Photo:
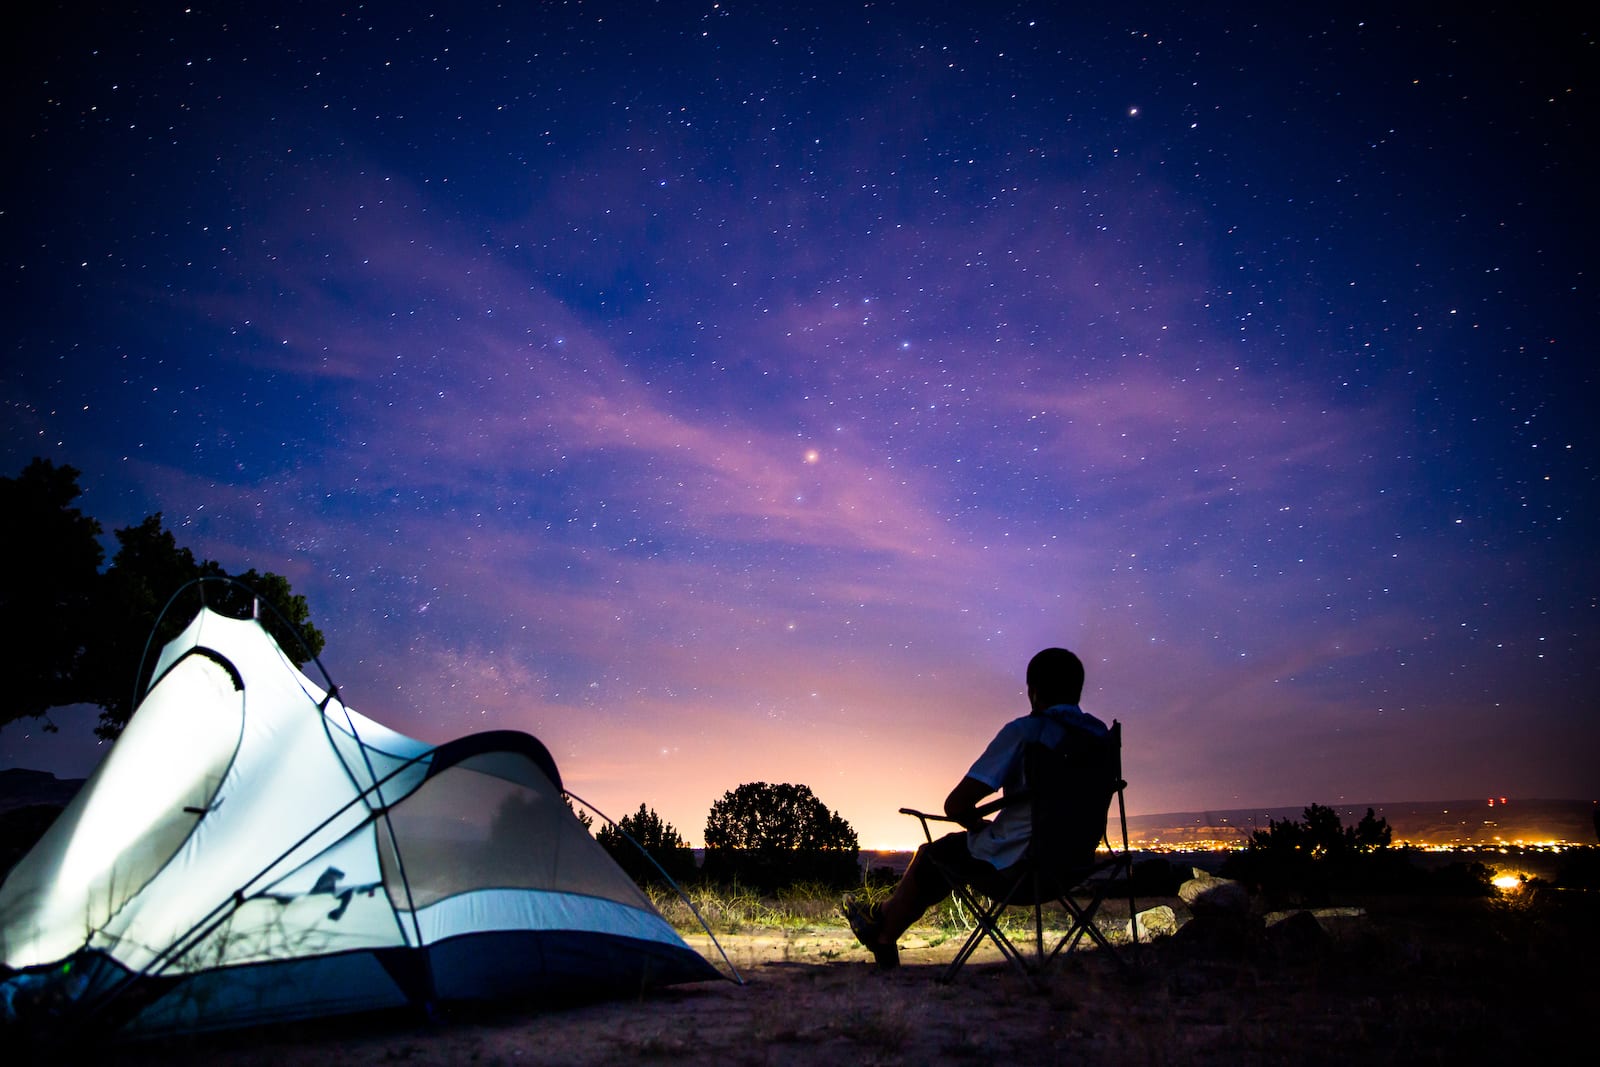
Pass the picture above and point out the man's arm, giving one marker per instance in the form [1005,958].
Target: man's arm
[961,805]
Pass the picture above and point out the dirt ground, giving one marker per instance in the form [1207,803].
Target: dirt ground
[1467,983]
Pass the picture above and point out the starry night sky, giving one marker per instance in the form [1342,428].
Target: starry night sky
[735,392]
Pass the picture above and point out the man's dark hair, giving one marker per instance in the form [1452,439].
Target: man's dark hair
[1056,677]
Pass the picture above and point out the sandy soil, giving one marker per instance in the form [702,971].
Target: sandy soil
[1472,983]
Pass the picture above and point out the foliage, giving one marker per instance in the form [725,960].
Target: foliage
[734,907]
[50,560]
[1322,835]
[660,842]
[1305,862]
[1580,869]
[1298,861]
[769,836]
[84,632]
[762,817]
[584,818]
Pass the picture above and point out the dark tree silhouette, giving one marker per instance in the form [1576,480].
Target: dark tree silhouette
[1371,833]
[50,559]
[1305,861]
[659,839]
[768,836]
[584,818]
[775,818]
[84,632]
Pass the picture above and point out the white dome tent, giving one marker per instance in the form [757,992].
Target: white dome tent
[252,850]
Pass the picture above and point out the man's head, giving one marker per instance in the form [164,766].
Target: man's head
[1055,676]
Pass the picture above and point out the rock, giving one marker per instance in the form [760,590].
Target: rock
[1205,894]
[1298,935]
[1228,935]
[1159,921]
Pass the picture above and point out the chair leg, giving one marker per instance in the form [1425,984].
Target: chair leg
[1083,924]
[986,924]
[1038,920]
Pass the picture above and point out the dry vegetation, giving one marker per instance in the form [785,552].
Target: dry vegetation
[1410,981]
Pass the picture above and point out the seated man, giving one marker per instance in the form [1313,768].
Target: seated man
[1055,685]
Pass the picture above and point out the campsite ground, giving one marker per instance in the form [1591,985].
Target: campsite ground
[1412,981]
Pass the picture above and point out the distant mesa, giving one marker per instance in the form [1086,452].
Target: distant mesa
[1481,823]
[20,788]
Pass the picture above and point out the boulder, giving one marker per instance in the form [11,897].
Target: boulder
[1206,894]
[1298,936]
[1228,935]
[1159,921]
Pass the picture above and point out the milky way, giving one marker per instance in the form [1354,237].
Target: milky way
[735,393]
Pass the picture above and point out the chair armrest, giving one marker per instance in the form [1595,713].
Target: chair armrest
[925,817]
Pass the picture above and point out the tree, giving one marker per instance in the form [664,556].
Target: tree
[768,836]
[1371,833]
[1307,860]
[50,559]
[775,818]
[584,818]
[659,840]
[147,570]
[85,633]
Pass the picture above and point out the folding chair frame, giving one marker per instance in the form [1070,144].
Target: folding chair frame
[1098,877]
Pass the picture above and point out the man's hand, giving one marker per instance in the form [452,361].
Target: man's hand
[962,803]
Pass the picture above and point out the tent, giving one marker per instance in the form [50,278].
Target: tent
[252,850]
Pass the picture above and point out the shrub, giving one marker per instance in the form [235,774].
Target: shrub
[1580,869]
[644,847]
[1303,862]
[772,836]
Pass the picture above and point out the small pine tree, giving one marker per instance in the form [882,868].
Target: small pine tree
[660,841]
[584,818]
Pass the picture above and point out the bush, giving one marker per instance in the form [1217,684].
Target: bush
[769,837]
[768,818]
[647,849]
[772,871]
[1580,869]
[1303,862]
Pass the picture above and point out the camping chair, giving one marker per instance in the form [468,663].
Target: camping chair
[1070,788]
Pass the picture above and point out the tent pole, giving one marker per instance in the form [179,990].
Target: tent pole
[676,888]
[219,914]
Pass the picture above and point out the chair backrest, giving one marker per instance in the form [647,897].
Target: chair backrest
[1070,787]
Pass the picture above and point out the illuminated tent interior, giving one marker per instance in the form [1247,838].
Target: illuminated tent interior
[252,850]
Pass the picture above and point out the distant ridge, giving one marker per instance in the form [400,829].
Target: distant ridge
[21,788]
[1479,821]
[1510,820]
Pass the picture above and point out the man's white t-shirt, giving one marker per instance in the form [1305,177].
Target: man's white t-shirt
[1004,839]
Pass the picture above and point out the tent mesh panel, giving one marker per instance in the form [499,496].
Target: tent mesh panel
[494,821]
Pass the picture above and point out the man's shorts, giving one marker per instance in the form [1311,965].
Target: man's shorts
[950,856]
